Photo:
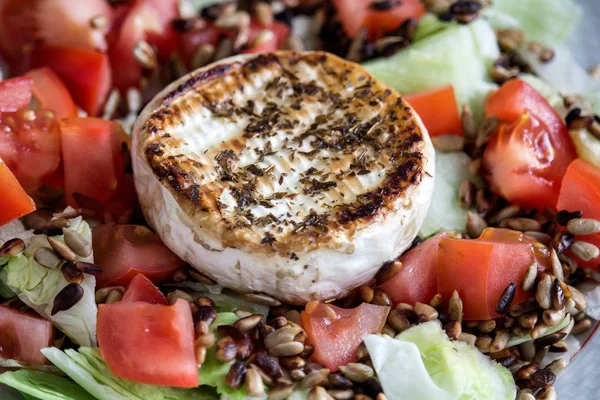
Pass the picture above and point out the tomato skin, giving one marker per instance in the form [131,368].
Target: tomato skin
[149,343]
[86,73]
[580,191]
[15,201]
[438,110]
[354,14]
[336,341]
[92,164]
[481,269]
[17,32]
[30,146]
[417,279]
[142,289]
[23,335]
[51,93]
[529,153]
[15,93]
[123,251]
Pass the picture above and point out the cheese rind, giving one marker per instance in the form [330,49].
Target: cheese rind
[293,174]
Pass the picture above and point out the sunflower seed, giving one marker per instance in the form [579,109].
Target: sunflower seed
[506,300]
[281,391]
[263,299]
[293,362]
[366,293]
[71,273]
[145,55]
[570,325]
[200,354]
[557,295]
[12,247]
[500,341]
[253,383]
[201,277]
[113,297]
[297,374]
[469,129]
[267,364]
[486,326]
[453,330]
[540,329]
[318,393]
[584,250]
[542,292]
[540,354]
[225,48]
[357,372]
[483,342]
[233,21]
[523,307]
[381,298]
[53,227]
[553,317]
[559,347]
[436,300]
[528,370]
[543,378]
[247,323]
[425,312]
[578,297]
[557,268]
[62,249]
[581,326]
[77,243]
[525,394]
[455,307]
[47,258]
[339,394]
[338,381]
[583,226]
[448,143]
[68,297]
[314,378]
[398,320]
[500,74]
[286,349]
[465,7]
[505,213]
[523,224]
[293,42]
[467,338]
[547,394]
[387,272]
[226,349]
[541,237]
[529,279]
[236,374]
[280,336]
[475,224]
[102,293]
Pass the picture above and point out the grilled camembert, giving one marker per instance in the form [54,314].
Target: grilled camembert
[293,174]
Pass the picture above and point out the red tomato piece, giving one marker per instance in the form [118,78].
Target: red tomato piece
[67,23]
[86,73]
[93,163]
[189,42]
[278,30]
[30,145]
[354,14]
[149,343]
[481,269]
[142,289]
[580,191]
[123,251]
[528,155]
[51,93]
[336,341]
[15,202]
[438,110]
[15,93]
[417,280]
[23,335]
[17,32]
[145,20]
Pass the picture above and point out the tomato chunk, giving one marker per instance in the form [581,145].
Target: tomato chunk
[15,202]
[481,269]
[527,156]
[580,191]
[142,289]
[15,93]
[17,33]
[86,73]
[278,33]
[354,14]
[74,28]
[438,110]
[417,279]
[92,157]
[123,251]
[149,343]
[337,340]
[51,93]
[30,145]
[23,335]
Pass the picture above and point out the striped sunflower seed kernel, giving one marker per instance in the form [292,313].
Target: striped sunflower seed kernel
[528,281]
[585,250]
[12,247]
[76,242]
[455,307]
[583,226]
[357,372]
[467,338]
[398,320]
[553,317]
[542,292]
[314,378]
[425,312]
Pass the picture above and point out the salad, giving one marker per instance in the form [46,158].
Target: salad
[194,206]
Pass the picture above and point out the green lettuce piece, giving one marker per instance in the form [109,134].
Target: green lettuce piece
[430,24]
[546,21]
[422,363]
[37,286]
[44,386]
[445,212]
[87,368]
[460,55]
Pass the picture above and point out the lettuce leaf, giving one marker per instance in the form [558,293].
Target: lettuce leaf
[44,386]
[37,286]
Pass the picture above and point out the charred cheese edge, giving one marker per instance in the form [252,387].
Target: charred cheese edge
[293,174]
